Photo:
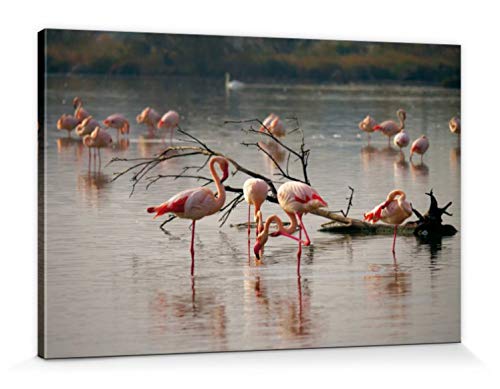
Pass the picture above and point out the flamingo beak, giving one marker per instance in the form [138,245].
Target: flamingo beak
[256,249]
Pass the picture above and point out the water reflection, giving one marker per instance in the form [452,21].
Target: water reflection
[90,185]
[67,143]
[419,169]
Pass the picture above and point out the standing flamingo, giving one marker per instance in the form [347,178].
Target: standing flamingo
[86,126]
[390,128]
[455,126]
[67,122]
[169,121]
[419,146]
[119,122]
[197,203]
[297,199]
[98,139]
[401,139]
[150,118]
[394,210]
[274,124]
[80,112]
[255,193]
[367,125]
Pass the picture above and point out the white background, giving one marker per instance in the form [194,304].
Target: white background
[473,363]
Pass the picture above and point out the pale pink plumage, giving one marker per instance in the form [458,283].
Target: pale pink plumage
[255,193]
[401,139]
[169,121]
[367,124]
[119,122]
[80,112]
[389,127]
[196,203]
[97,140]
[67,122]
[274,124]
[394,210]
[149,117]
[419,146]
[87,126]
[296,199]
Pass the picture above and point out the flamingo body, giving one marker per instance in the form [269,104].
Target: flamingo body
[297,197]
[80,112]
[419,146]
[455,125]
[67,122]
[401,139]
[86,126]
[169,121]
[149,117]
[367,124]
[389,127]
[275,125]
[394,210]
[119,122]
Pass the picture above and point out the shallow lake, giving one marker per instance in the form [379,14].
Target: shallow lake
[116,284]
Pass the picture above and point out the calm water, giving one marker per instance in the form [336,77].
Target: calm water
[116,284]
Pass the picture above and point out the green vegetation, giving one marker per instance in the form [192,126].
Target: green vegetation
[251,58]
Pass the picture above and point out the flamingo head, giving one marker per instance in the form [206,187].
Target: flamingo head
[401,114]
[258,248]
[77,101]
[224,165]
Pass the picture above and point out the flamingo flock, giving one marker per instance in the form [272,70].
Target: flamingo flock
[94,135]
[295,198]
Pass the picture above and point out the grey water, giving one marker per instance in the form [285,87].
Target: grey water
[116,284]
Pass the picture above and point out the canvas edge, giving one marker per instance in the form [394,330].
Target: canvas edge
[41,84]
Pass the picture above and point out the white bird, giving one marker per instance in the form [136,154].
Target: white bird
[234,84]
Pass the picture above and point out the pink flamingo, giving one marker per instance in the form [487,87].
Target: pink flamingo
[169,121]
[419,146]
[297,199]
[98,139]
[401,139]
[150,118]
[367,125]
[119,122]
[80,112]
[197,203]
[275,125]
[455,126]
[390,128]
[394,210]
[87,126]
[67,122]
[255,193]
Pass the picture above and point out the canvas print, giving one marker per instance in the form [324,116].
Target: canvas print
[214,193]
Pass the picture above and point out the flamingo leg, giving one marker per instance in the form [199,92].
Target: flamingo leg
[248,227]
[394,240]
[90,158]
[95,156]
[192,247]
[99,155]
[302,227]
[171,135]
[299,251]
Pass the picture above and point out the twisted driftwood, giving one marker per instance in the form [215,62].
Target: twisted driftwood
[427,225]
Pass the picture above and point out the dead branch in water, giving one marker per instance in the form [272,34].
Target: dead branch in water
[141,169]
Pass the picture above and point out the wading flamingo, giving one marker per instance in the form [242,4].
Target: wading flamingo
[255,193]
[169,121]
[80,112]
[86,127]
[419,146]
[97,140]
[234,84]
[390,128]
[274,124]
[401,139]
[454,125]
[367,125]
[150,118]
[67,122]
[197,203]
[119,122]
[394,210]
[297,199]
[264,234]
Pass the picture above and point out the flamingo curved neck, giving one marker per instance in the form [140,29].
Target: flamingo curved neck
[221,192]
[401,121]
